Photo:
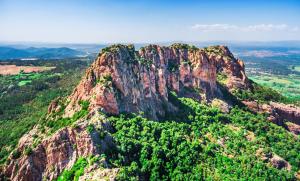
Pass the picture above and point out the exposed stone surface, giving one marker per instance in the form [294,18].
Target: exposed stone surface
[286,112]
[222,105]
[293,128]
[55,153]
[257,107]
[124,80]
[279,162]
[228,64]
[274,159]
[54,105]
[100,174]
[279,114]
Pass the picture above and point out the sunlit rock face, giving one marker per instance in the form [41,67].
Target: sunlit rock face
[125,80]
[57,152]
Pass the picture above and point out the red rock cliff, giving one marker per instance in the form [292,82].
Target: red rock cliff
[124,80]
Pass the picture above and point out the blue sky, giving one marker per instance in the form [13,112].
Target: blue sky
[137,21]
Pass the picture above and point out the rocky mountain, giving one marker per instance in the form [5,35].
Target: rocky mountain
[123,80]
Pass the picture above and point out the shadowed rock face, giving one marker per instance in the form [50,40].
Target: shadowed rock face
[124,80]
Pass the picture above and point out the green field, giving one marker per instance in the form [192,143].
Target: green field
[288,85]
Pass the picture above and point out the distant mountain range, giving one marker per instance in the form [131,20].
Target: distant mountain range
[43,53]
[67,50]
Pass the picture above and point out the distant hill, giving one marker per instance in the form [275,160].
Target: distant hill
[32,52]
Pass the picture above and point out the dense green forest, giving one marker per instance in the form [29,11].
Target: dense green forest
[202,143]
[23,104]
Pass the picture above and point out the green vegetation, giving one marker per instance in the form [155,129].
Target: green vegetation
[217,51]
[90,128]
[147,63]
[222,78]
[114,48]
[187,62]
[184,46]
[260,93]
[28,151]
[61,122]
[289,86]
[22,107]
[16,154]
[280,73]
[78,168]
[202,144]
[214,50]
[75,172]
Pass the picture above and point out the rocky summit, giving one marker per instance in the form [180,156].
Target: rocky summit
[125,80]
[80,138]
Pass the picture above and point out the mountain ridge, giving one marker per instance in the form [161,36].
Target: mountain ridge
[150,73]
[33,52]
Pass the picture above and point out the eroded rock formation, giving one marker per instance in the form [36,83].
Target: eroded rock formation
[55,153]
[124,80]
[284,115]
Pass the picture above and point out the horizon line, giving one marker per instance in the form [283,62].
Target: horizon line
[155,42]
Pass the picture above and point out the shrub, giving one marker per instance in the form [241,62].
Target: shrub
[90,128]
[75,172]
[28,151]
[16,154]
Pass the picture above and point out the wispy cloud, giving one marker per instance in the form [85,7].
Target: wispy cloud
[249,28]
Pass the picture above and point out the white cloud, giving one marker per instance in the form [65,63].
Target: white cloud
[214,27]
[249,28]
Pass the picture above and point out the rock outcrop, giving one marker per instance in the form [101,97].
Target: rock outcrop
[284,115]
[100,174]
[124,80]
[226,63]
[275,160]
[286,112]
[55,153]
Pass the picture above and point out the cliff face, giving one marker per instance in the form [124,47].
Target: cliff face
[57,152]
[124,80]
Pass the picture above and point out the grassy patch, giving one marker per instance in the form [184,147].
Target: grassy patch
[61,122]
[75,172]
[222,78]
[77,169]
